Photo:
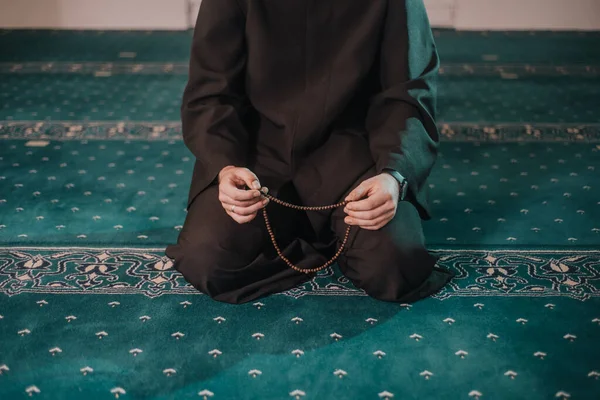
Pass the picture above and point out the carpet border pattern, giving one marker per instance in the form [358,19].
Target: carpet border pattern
[106,69]
[171,130]
[147,271]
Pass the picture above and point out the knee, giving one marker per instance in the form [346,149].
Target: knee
[212,248]
[210,264]
[391,270]
[199,264]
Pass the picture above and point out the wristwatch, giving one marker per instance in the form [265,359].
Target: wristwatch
[401,180]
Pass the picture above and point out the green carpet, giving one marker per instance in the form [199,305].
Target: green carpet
[93,184]
[120,330]
[157,97]
[103,192]
[546,48]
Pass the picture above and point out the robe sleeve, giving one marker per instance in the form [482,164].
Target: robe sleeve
[214,98]
[403,135]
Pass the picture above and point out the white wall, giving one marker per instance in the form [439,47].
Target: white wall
[526,14]
[441,12]
[94,14]
[506,14]
[181,14]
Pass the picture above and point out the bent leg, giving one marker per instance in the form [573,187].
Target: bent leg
[228,261]
[391,264]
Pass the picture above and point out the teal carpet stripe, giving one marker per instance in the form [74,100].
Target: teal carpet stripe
[532,99]
[184,346]
[141,97]
[134,193]
[511,47]
[519,47]
[81,97]
[66,45]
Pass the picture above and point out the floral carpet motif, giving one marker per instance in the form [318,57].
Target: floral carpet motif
[149,272]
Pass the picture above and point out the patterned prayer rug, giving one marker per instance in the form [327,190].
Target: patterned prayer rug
[93,184]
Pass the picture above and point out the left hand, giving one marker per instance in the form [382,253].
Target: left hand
[378,205]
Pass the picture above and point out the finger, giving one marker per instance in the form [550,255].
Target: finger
[223,198]
[228,188]
[368,204]
[371,214]
[245,211]
[370,222]
[359,192]
[246,176]
[240,219]
[374,223]
[376,227]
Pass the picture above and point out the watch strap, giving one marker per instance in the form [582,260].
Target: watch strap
[401,180]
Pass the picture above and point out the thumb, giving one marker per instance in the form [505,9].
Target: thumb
[248,178]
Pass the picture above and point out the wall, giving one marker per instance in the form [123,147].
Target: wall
[508,14]
[180,14]
[94,14]
[441,12]
[527,14]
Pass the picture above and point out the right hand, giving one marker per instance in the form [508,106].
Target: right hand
[232,192]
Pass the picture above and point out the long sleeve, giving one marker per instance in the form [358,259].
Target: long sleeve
[214,99]
[401,121]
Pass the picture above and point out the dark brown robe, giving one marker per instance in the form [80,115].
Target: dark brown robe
[313,96]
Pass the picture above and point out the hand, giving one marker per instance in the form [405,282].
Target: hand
[232,183]
[378,207]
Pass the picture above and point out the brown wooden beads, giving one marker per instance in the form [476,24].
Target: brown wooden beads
[265,193]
